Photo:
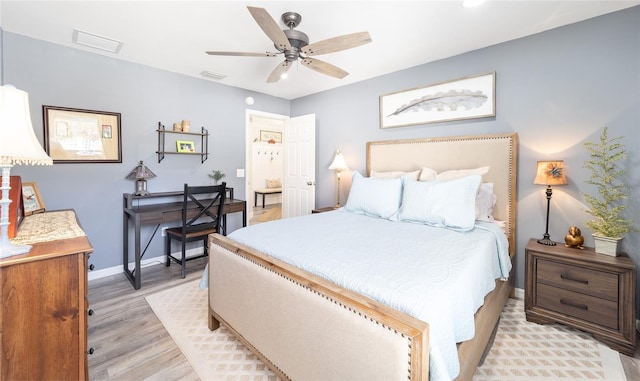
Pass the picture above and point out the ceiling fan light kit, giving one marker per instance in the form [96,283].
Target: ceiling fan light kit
[294,45]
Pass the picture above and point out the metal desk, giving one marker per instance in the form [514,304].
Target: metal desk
[158,213]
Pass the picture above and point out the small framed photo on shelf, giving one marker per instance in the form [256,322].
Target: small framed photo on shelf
[31,199]
[185,146]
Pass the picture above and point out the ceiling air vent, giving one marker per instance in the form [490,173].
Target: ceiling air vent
[97,42]
[212,75]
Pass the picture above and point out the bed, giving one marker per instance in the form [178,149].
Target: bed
[307,324]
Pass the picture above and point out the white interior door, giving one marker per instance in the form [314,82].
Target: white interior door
[298,188]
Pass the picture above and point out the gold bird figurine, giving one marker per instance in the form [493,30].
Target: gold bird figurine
[574,238]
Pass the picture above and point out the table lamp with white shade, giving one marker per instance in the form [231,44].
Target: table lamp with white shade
[339,165]
[18,146]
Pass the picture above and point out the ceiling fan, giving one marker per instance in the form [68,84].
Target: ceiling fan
[294,44]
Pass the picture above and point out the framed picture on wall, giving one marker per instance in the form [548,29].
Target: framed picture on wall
[31,199]
[82,136]
[470,97]
[267,136]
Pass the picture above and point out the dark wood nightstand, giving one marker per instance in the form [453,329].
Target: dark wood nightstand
[325,209]
[592,292]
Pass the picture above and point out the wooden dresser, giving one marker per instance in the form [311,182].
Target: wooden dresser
[43,312]
[592,292]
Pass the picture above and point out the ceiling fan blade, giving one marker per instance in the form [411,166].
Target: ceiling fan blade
[278,71]
[242,54]
[337,44]
[270,27]
[324,68]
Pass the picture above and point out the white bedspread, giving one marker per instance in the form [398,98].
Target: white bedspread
[437,275]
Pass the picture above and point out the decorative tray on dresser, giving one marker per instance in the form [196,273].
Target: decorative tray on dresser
[44,307]
[592,292]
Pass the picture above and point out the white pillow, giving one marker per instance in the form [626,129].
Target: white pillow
[374,196]
[413,175]
[458,173]
[485,201]
[450,204]
[427,174]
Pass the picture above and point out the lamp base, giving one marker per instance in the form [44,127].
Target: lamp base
[141,188]
[9,250]
[546,241]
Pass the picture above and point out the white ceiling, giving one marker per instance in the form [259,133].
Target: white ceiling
[173,35]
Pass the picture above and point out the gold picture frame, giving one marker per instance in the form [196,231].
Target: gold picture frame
[185,146]
[469,97]
[31,199]
[74,135]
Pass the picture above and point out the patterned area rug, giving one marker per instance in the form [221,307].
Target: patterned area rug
[521,351]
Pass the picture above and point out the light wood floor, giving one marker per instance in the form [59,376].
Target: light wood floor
[130,343]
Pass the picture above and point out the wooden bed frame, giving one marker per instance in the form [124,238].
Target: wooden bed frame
[307,328]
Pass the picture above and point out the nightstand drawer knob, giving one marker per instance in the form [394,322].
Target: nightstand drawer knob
[566,276]
[572,304]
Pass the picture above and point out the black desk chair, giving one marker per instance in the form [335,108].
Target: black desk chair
[201,216]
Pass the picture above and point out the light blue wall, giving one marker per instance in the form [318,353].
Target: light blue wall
[59,76]
[556,90]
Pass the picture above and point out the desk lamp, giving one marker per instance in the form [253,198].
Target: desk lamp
[18,145]
[339,165]
[141,173]
[549,173]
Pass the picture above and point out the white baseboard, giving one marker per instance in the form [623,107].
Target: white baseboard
[519,293]
[102,273]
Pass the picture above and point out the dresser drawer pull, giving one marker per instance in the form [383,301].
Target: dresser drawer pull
[576,305]
[566,276]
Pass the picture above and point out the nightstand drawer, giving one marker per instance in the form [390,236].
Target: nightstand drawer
[584,307]
[580,279]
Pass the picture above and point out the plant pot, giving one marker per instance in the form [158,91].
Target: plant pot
[607,245]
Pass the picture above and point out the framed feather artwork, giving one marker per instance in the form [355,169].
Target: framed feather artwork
[464,98]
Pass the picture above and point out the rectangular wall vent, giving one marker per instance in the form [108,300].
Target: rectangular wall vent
[212,75]
[97,42]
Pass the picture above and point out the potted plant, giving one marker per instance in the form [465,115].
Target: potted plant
[608,226]
[216,175]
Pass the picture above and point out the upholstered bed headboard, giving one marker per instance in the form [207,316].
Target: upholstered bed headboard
[499,152]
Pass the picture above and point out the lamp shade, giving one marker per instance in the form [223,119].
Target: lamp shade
[18,141]
[141,172]
[338,163]
[550,173]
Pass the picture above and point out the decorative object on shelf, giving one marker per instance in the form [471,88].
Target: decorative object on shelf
[185,146]
[608,226]
[189,149]
[18,145]
[339,165]
[464,98]
[216,175]
[141,173]
[32,200]
[574,238]
[549,173]
[177,127]
[82,136]
[186,125]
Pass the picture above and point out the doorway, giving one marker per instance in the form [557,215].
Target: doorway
[280,165]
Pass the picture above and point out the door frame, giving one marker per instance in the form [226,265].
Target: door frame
[249,195]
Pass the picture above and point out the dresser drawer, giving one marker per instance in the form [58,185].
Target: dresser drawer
[580,279]
[588,308]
